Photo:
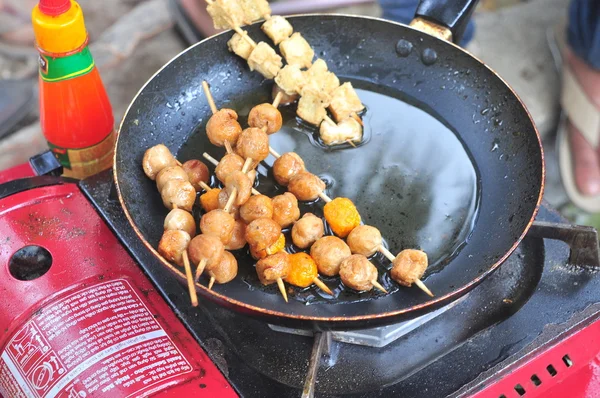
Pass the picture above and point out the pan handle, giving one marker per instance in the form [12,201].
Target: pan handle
[444,19]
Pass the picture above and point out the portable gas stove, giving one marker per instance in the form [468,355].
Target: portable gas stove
[530,329]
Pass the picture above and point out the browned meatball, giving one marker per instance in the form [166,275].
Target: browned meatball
[234,210]
[409,266]
[265,115]
[172,245]
[273,267]
[239,182]
[285,209]
[286,99]
[180,193]
[218,223]
[227,165]
[254,144]
[157,158]
[286,167]
[180,220]
[197,172]
[205,247]
[329,252]
[306,186]
[357,272]
[238,237]
[170,173]
[258,206]
[364,240]
[225,270]
[262,233]
[307,230]
[223,126]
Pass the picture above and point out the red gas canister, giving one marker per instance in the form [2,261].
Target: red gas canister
[77,316]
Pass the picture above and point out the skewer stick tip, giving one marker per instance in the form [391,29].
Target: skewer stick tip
[211,282]
[386,253]
[321,285]
[210,158]
[209,97]
[190,279]
[274,153]
[378,286]
[324,196]
[277,99]
[200,269]
[424,288]
[282,289]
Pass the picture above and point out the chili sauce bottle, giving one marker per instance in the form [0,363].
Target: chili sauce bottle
[75,113]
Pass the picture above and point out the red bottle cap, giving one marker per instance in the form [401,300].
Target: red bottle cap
[54,7]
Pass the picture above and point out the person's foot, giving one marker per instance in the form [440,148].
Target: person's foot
[586,158]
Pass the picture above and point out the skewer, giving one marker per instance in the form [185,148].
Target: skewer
[321,285]
[418,282]
[209,97]
[228,147]
[205,186]
[378,286]
[216,162]
[189,276]
[211,282]
[277,99]
[200,269]
[282,289]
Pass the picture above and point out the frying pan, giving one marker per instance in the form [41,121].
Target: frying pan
[451,161]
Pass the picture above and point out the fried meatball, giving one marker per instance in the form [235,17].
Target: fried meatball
[205,247]
[223,198]
[180,220]
[306,186]
[218,223]
[286,167]
[307,230]
[258,206]
[180,193]
[239,182]
[170,173]
[262,233]
[329,252]
[157,158]
[238,237]
[273,267]
[357,272]
[227,165]
[172,245]
[197,172]
[303,270]
[364,240]
[409,266]
[342,216]
[276,247]
[266,117]
[210,200]
[253,144]
[285,209]
[223,126]
[224,271]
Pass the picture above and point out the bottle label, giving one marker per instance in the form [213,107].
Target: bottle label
[84,162]
[55,69]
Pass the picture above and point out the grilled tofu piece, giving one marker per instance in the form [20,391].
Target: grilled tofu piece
[297,51]
[347,129]
[240,46]
[254,10]
[345,102]
[265,60]
[226,13]
[290,79]
[277,28]
[311,109]
[320,82]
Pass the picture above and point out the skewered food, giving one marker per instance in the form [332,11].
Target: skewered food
[285,209]
[297,51]
[253,144]
[347,130]
[226,13]
[409,266]
[262,233]
[273,267]
[306,186]
[311,109]
[218,223]
[286,167]
[320,82]
[258,206]
[210,200]
[302,271]
[342,216]
[307,230]
[265,60]
[170,173]
[358,273]
[345,102]
[234,210]
[291,79]
[285,99]
[157,158]
[265,116]
[239,182]
[205,250]
[172,245]
[240,46]
[254,10]
[276,247]
[197,172]
[238,236]
[223,127]
[364,240]
[329,252]
[179,193]
[224,271]
[229,163]
[277,28]
[180,220]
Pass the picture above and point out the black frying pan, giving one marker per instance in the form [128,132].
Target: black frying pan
[451,162]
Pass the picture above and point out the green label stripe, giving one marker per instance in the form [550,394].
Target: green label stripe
[63,68]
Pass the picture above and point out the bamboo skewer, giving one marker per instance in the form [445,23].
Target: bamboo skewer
[205,186]
[211,282]
[277,99]
[216,162]
[378,286]
[200,269]
[321,285]
[188,275]
[281,286]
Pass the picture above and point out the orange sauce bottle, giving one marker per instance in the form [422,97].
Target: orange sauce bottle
[75,113]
